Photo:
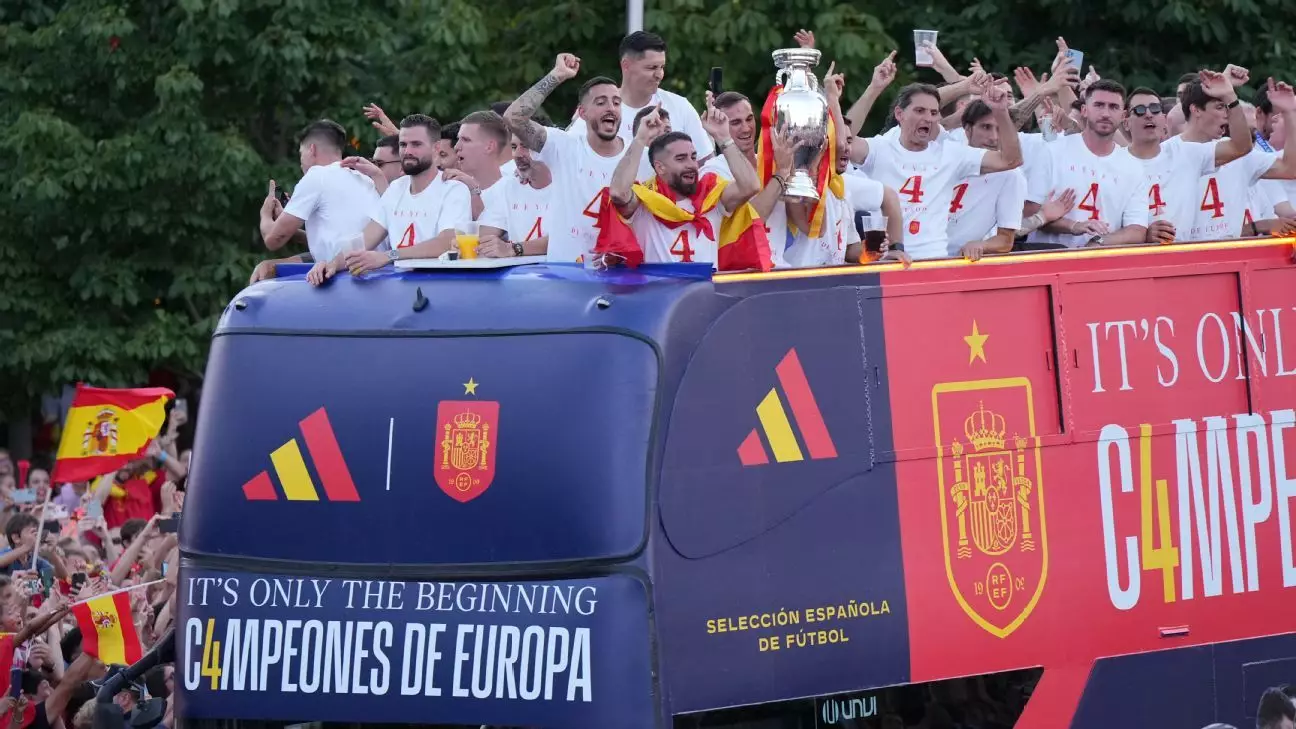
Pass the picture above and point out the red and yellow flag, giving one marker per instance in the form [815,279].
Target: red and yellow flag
[106,429]
[827,179]
[108,630]
[742,242]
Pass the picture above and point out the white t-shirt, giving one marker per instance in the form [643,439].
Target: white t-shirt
[334,202]
[1112,189]
[517,208]
[682,244]
[1172,181]
[1035,165]
[776,227]
[925,182]
[982,204]
[839,230]
[1260,206]
[508,169]
[579,176]
[683,118]
[415,218]
[1222,197]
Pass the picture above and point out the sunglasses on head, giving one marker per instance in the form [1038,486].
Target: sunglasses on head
[1145,109]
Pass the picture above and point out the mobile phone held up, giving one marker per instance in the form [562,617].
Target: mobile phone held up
[281,195]
[715,82]
[168,525]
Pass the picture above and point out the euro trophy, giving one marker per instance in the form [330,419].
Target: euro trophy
[801,112]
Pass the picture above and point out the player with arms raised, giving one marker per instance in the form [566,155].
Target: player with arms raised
[581,164]
[924,171]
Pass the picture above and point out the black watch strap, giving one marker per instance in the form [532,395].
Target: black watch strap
[1233,105]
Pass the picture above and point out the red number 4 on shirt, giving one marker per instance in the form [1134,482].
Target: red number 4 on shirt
[1211,200]
[913,188]
[1090,202]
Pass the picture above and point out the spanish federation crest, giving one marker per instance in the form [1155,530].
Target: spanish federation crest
[992,503]
[103,620]
[467,431]
[100,435]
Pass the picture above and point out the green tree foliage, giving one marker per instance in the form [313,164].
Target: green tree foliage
[139,135]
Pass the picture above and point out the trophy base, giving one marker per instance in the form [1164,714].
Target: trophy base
[800,189]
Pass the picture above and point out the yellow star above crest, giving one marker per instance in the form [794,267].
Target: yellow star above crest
[976,344]
[470,387]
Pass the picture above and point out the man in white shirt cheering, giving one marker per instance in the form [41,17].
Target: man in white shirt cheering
[418,215]
[332,202]
[681,190]
[1175,166]
[643,66]
[924,171]
[986,210]
[581,163]
[1108,182]
[1223,196]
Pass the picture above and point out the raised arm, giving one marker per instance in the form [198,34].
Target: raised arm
[1284,100]
[746,183]
[1023,110]
[518,115]
[1222,87]
[1009,155]
[621,186]
[883,75]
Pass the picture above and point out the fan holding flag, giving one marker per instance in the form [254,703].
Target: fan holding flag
[107,429]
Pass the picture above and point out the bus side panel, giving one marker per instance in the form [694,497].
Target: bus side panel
[780,570]
[1186,687]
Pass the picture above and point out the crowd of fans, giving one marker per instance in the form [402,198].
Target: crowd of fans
[70,542]
[1090,164]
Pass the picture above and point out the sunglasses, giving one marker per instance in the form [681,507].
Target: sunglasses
[1145,109]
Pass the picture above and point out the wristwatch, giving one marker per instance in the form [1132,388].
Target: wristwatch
[1097,240]
[393,256]
[1236,101]
[518,250]
[721,147]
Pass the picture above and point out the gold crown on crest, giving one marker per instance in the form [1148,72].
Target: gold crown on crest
[984,429]
[467,420]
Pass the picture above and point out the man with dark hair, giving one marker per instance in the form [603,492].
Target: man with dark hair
[678,182]
[986,210]
[386,157]
[924,172]
[417,216]
[514,222]
[1276,710]
[483,147]
[331,201]
[581,162]
[446,159]
[1108,183]
[1223,198]
[646,172]
[1173,167]
[768,203]
[643,66]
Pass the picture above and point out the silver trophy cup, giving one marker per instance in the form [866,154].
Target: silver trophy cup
[801,112]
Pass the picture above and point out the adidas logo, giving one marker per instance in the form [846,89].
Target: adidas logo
[290,467]
[776,426]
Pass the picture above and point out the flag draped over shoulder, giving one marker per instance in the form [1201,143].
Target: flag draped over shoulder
[107,628]
[741,243]
[106,429]
[827,179]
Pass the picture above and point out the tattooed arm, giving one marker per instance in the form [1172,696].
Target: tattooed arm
[518,115]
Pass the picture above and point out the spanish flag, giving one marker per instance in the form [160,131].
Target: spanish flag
[742,242]
[106,429]
[107,628]
[827,177]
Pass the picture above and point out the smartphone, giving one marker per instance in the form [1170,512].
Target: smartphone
[716,81]
[1077,59]
[168,525]
[281,195]
[182,406]
[79,580]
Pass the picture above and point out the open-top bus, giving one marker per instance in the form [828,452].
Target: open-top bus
[1046,490]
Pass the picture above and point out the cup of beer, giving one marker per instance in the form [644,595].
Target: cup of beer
[466,239]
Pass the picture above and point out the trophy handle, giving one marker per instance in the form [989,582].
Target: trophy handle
[780,77]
